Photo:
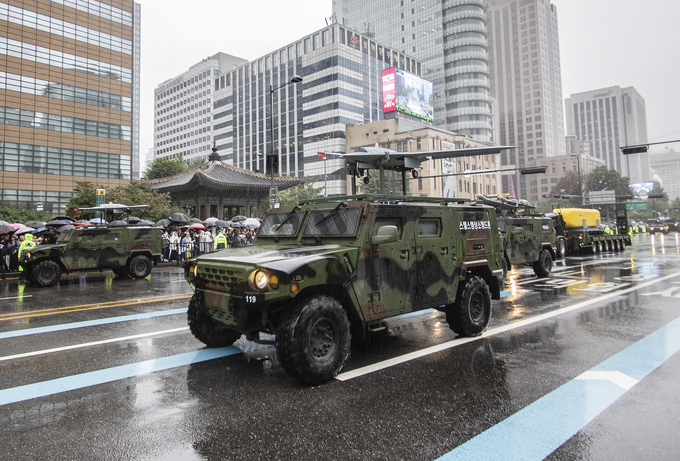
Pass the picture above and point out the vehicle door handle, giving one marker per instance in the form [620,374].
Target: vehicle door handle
[404,254]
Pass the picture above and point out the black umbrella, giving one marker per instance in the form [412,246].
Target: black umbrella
[145,222]
[4,229]
[220,223]
[34,224]
[163,223]
[196,220]
[118,223]
[40,229]
[24,230]
[58,222]
[133,219]
[65,218]
[179,218]
[238,218]
[66,227]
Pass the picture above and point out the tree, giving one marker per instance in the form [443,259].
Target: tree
[290,197]
[570,184]
[135,193]
[602,178]
[19,215]
[164,167]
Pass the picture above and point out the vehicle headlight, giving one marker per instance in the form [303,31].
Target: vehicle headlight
[260,280]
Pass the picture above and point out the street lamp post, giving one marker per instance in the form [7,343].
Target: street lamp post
[273,193]
[580,183]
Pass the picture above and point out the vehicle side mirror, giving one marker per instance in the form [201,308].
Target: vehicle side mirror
[386,234]
[517,231]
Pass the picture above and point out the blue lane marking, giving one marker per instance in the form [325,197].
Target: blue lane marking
[90,323]
[534,432]
[69,383]
[506,293]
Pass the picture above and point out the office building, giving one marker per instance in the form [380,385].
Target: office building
[611,118]
[448,178]
[450,39]
[665,168]
[341,84]
[69,87]
[183,109]
[527,84]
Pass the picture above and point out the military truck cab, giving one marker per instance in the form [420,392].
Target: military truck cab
[328,269]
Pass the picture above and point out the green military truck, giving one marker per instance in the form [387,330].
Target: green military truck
[127,250]
[528,237]
[332,268]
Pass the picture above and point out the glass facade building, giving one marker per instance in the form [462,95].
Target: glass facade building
[526,81]
[69,98]
[342,84]
[449,38]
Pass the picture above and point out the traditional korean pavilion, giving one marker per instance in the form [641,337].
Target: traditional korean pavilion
[215,186]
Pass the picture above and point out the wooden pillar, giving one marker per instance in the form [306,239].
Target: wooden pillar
[220,212]
[248,207]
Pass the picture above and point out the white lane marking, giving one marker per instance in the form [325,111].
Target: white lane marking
[17,297]
[512,326]
[95,343]
[620,379]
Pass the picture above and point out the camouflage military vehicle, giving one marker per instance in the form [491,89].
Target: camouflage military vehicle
[329,269]
[528,238]
[126,250]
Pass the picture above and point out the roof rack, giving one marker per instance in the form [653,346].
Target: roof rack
[383,198]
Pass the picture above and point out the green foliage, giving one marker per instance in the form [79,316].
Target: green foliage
[570,184]
[19,215]
[135,193]
[603,178]
[290,197]
[164,167]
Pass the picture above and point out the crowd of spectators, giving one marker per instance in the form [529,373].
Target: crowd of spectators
[179,244]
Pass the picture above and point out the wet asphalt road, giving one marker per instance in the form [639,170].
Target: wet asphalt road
[75,390]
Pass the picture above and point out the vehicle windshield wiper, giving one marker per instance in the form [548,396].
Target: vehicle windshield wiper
[333,212]
[295,209]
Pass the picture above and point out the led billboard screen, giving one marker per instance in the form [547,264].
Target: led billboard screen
[407,93]
[642,188]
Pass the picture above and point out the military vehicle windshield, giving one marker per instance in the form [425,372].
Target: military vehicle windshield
[335,221]
[64,237]
[281,224]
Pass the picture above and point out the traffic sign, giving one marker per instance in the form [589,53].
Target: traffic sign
[636,205]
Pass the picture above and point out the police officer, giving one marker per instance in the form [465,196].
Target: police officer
[220,240]
[26,244]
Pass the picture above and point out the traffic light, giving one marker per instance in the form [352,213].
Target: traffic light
[634,150]
[533,170]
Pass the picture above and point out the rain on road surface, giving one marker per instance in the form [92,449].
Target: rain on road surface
[582,365]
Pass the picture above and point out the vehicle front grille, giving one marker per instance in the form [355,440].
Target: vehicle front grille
[224,279]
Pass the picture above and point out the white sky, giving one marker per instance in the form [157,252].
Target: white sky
[602,43]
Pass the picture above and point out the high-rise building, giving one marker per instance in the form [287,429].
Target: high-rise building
[183,109]
[342,83]
[611,118]
[69,89]
[664,163]
[526,81]
[449,38]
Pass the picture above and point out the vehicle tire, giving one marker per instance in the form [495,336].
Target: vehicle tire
[45,274]
[204,328]
[622,245]
[543,266]
[121,271]
[313,340]
[561,248]
[139,266]
[471,314]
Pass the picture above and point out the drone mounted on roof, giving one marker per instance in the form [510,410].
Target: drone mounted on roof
[359,162]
